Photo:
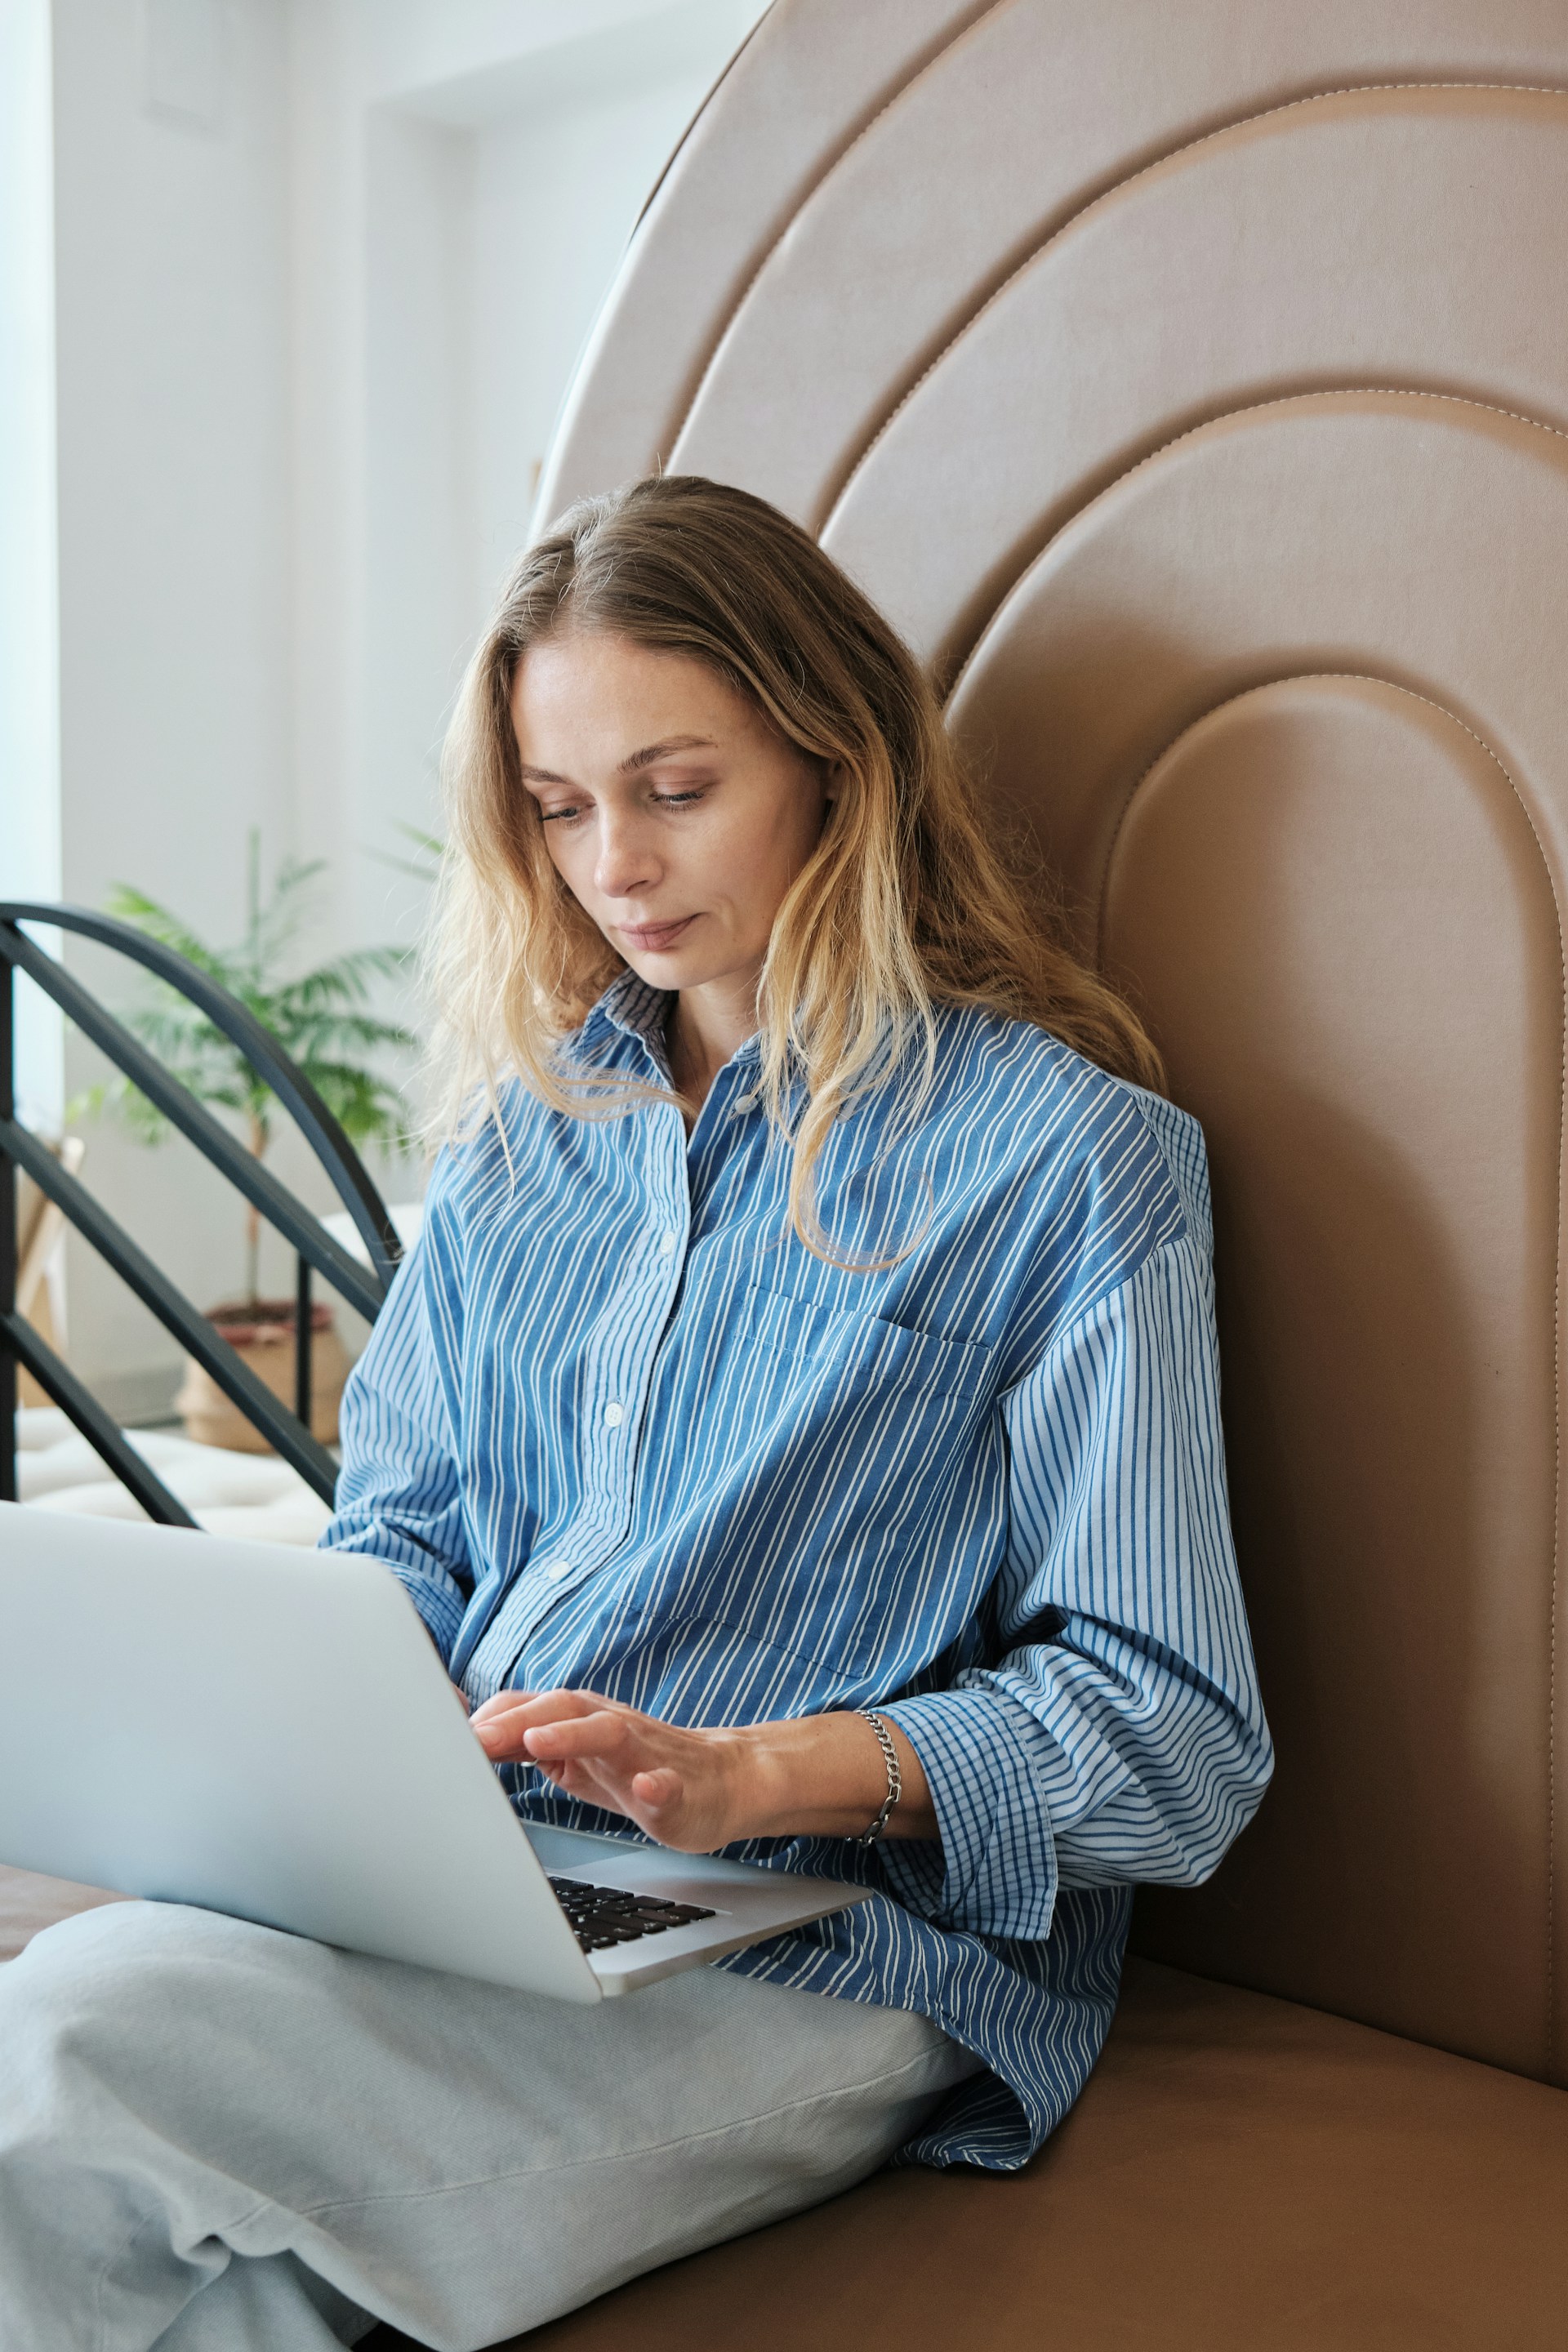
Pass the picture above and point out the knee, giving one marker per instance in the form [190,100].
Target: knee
[94,1996]
[68,1976]
[91,2039]
[113,1949]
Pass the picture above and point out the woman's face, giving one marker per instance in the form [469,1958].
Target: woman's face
[673,812]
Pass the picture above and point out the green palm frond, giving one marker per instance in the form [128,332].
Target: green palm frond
[274,928]
[368,1109]
[426,866]
[323,1018]
[380,963]
[156,922]
[346,982]
[331,1036]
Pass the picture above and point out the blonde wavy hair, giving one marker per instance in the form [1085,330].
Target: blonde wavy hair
[904,904]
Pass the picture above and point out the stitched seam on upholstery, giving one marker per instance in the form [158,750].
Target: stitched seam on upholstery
[1119,187]
[616,2156]
[1353,678]
[1313,399]
[1431,703]
[808,195]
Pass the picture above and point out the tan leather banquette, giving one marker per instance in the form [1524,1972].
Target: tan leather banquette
[1189,379]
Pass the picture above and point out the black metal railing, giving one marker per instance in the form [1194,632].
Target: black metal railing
[288,1433]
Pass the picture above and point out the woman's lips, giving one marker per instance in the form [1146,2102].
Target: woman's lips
[654,936]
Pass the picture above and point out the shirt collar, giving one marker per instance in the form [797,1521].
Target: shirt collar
[631,1008]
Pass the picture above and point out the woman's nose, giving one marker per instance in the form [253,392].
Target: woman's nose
[624,859]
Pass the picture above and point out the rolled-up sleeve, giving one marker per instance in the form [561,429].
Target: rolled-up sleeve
[399,1494]
[1119,1734]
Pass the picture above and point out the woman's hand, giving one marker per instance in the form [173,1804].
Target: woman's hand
[686,1789]
[697,1791]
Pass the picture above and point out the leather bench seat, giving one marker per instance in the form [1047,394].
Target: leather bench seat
[1370,2195]
[1240,2175]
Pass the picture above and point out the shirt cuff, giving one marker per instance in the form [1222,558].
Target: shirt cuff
[996,1871]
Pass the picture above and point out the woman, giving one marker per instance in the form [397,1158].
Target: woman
[798,1431]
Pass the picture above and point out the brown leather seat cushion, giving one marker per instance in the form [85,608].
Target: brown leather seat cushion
[1241,2172]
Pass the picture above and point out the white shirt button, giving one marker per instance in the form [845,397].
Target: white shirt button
[555,1569]
[667,1246]
[614,1416]
[744,1103]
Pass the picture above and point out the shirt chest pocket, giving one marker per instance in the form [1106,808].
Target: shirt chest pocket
[849,1441]
[849,1354]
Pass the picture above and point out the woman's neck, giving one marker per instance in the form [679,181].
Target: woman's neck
[708,1026]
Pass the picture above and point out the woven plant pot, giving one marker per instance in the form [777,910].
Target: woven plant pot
[262,1331]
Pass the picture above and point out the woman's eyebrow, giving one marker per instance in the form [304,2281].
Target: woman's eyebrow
[652,751]
[628,767]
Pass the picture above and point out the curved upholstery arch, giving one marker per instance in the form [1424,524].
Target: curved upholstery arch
[1344,532]
[1193,578]
[1384,1124]
[795,273]
[1371,237]
[803,89]
[1192,386]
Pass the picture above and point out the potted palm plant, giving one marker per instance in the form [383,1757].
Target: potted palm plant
[324,1018]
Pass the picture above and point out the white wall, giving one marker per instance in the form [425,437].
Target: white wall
[323,270]
[500,187]
[173,450]
[29,634]
[420,602]
[539,295]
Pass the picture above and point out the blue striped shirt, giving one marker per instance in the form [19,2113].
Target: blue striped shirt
[619,1429]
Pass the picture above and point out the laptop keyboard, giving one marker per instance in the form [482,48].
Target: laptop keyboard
[603,1916]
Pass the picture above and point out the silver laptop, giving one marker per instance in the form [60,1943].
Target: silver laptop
[269,1732]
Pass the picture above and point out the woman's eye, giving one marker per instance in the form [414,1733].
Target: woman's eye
[676,800]
[556,817]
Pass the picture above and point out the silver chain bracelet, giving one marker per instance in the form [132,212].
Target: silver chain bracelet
[895,1775]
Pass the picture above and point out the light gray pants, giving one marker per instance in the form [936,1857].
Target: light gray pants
[217,2138]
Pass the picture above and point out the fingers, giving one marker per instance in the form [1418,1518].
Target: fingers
[649,1799]
[610,1756]
[503,1723]
[539,1707]
[577,1780]
[657,1790]
[601,1734]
